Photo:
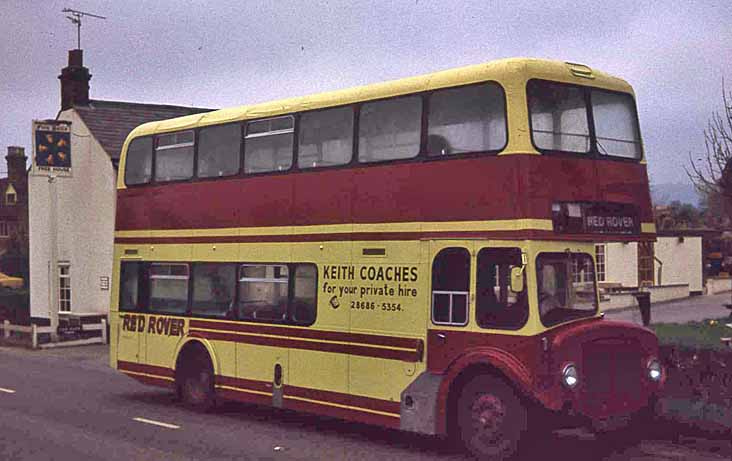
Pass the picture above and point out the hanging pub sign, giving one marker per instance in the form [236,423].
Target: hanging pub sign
[52,147]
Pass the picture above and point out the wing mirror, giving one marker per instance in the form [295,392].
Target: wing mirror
[517,279]
[517,275]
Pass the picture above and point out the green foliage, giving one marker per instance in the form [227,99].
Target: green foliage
[704,334]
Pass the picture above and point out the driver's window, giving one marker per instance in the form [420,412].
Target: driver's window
[496,305]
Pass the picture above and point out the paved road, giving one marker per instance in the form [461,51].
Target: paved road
[685,310]
[68,405]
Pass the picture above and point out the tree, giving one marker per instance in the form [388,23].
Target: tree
[711,172]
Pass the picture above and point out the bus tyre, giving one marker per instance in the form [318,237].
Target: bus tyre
[197,382]
[490,418]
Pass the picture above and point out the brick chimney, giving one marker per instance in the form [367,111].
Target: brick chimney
[16,165]
[74,81]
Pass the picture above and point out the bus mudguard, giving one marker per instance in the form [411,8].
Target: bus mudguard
[195,337]
[499,360]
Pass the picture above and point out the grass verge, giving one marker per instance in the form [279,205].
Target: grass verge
[704,334]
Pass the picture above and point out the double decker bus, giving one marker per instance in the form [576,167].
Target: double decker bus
[416,254]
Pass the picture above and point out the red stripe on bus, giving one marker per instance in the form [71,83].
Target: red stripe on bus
[342,413]
[143,368]
[379,340]
[245,397]
[459,189]
[384,406]
[365,351]
[150,380]
[247,384]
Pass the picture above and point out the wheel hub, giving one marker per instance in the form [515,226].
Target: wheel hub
[488,414]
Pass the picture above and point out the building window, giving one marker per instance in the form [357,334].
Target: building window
[390,129]
[4,229]
[268,145]
[64,287]
[11,198]
[600,261]
[645,264]
[174,156]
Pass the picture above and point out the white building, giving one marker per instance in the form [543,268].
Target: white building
[71,218]
[671,268]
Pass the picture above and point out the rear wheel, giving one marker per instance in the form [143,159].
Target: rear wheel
[196,381]
[490,418]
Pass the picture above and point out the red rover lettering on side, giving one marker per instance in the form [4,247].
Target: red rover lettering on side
[155,325]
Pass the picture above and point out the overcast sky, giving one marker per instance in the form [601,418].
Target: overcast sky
[228,53]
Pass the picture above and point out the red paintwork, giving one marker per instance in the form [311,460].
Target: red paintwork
[467,189]
[536,373]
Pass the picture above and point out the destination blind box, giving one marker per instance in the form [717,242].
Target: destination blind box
[595,218]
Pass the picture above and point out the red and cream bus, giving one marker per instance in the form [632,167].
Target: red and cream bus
[416,254]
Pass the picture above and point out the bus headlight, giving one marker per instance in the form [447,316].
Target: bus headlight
[655,371]
[570,376]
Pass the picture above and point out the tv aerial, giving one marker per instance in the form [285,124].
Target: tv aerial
[75,17]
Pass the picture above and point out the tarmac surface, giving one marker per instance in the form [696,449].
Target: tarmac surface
[68,404]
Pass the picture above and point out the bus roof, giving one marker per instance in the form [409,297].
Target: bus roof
[510,71]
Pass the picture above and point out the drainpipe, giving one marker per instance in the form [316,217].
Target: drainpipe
[660,269]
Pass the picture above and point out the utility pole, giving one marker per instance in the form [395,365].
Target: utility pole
[75,18]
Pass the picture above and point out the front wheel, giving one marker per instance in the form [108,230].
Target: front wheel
[490,418]
[197,382]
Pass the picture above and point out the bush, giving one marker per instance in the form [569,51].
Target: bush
[15,306]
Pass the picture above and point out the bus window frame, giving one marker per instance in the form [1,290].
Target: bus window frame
[584,314]
[240,169]
[355,162]
[593,152]
[479,153]
[194,144]
[293,151]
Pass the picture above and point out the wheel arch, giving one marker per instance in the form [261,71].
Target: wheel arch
[494,362]
[191,343]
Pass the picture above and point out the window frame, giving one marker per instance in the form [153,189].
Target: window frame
[426,127]
[293,151]
[450,323]
[570,279]
[239,171]
[193,144]
[593,152]
[600,256]
[525,293]
[355,109]
[355,162]
[61,276]
[150,277]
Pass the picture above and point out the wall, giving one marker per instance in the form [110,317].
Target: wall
[658,295]
[621,263]
[718,285]
[682,261]
[85,225]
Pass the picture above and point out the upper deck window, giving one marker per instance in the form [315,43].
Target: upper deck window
[268,145]
[325,138]
[174,156]
[219,151]
[559,120]
[615,124]
[390,129]
[563,120]
[467,119]
[138,166]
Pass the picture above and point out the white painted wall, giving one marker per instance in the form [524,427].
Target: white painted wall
[621,263]
[85,228]
[682,261]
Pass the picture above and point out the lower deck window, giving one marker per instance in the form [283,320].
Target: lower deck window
[169,288]
[263,292]
[450,282]
[213,289]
